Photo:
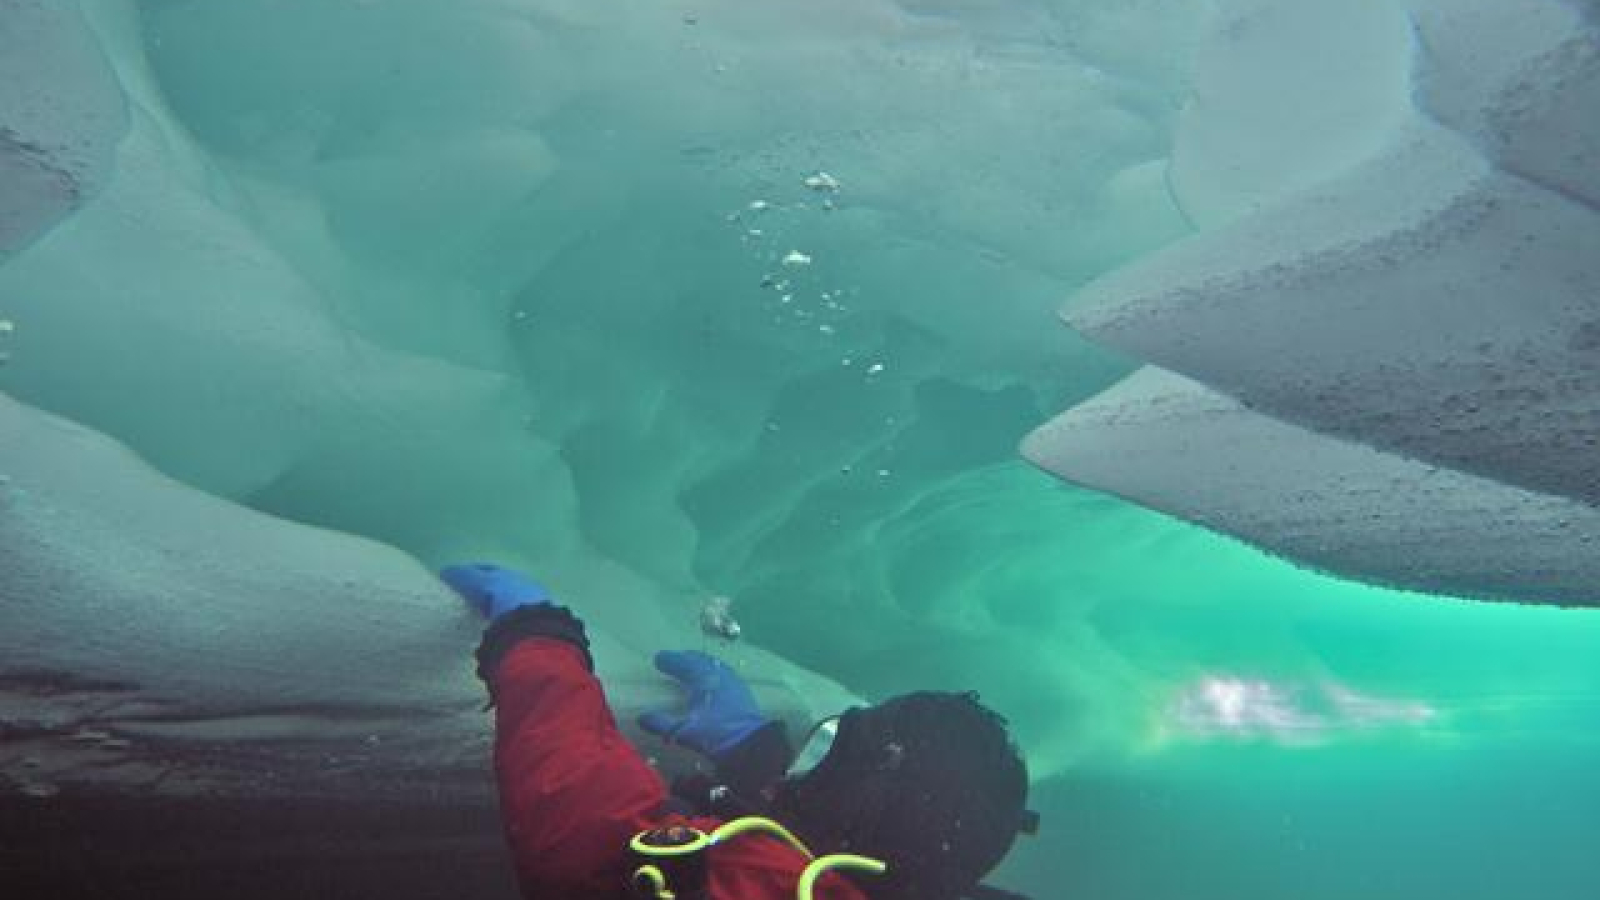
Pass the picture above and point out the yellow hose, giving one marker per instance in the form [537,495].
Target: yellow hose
[757,823]
[658,882]
[808,878]
[815,868]
[643,848]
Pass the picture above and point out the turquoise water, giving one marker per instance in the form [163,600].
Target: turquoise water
[1467,773]
[551,237]
[1494,817]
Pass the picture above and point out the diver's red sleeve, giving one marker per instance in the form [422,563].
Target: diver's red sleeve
[573,791]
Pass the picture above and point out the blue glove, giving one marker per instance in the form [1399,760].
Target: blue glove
[722,711]
[493,591]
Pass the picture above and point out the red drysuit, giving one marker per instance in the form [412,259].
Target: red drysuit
[573,791]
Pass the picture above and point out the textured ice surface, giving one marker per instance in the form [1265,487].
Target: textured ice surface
[138,606]
[500,280]
[61,114]
[1247,140]
[1423,302]
[138,609]
[1522,81]
[1428,290]
[1171,443]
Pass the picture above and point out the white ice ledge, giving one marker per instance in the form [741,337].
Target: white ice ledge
[153,631]
[1417,307]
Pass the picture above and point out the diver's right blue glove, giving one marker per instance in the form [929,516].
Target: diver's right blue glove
[722,711]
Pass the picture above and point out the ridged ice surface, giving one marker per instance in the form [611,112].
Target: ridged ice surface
[1171,443]
[140,607]
[1430,293]
[55,145]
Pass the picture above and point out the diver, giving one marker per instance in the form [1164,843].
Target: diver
[916,798]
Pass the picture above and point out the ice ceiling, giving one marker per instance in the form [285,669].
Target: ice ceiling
[666,300]
[1388,319]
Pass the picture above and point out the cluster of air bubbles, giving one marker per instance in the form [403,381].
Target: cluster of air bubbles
[800,287]
[7,329]
[716,619]
[690,20]
[796,284]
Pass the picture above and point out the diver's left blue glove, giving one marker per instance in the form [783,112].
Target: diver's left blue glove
[492,591]
[722,712]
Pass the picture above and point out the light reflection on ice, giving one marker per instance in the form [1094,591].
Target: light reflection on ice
[1234,706]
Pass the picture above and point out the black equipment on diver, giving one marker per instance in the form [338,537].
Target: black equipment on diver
[929,782]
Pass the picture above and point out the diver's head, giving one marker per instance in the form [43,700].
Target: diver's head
[930,783]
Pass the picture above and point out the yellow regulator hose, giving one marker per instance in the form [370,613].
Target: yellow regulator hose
[808,878]
[700,841]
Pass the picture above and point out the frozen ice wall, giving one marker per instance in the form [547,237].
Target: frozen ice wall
[1378,355]
[55,148]
[656,305]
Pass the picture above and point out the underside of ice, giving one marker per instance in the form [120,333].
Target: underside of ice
[149,624]
[1164,441]
[55,146]
[1419,292]
[505,279]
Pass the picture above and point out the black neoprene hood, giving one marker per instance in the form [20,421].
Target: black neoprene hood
[928,782]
